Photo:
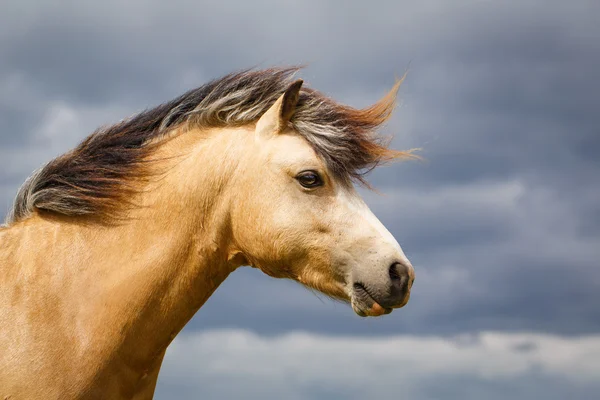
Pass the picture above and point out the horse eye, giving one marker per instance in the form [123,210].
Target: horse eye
[309,179]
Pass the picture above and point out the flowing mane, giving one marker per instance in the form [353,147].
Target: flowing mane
[97,177]
[113,247]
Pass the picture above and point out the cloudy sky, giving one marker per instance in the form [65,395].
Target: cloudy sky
[502,221]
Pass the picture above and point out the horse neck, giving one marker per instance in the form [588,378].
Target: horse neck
[131,288]
[180,237]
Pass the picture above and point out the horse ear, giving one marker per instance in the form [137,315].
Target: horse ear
[276,118]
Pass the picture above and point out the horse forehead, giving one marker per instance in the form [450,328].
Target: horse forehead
[289,147]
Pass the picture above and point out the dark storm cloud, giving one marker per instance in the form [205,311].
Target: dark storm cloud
[501,221]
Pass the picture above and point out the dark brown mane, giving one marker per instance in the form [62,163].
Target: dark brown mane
[97,177]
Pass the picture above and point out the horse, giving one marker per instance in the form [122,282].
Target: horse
[112,247]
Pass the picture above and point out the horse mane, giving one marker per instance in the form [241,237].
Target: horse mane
[97,177]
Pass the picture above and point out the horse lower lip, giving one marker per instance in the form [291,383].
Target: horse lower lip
[364,305]
[377,309]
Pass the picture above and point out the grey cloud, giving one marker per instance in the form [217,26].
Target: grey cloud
[300,365]
[501,220]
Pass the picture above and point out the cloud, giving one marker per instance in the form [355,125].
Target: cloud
[502,221]
[297,365]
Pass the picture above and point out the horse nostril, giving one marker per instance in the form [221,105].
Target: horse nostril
[394,274]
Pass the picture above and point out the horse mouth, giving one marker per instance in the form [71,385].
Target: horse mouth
[363,303]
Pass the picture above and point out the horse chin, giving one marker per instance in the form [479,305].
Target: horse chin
[364,306]
[374,311]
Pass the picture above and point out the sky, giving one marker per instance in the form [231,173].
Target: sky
[501,220]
